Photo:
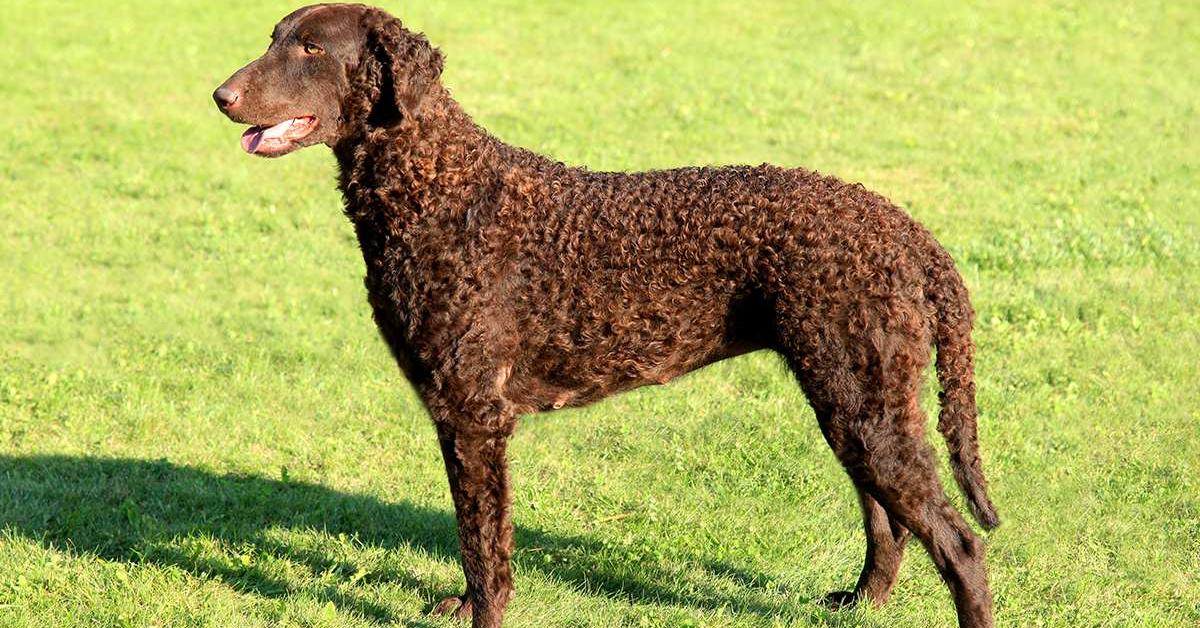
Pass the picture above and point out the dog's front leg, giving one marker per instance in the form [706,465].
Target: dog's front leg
[477,467]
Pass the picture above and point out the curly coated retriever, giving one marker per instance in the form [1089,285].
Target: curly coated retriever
[506,283]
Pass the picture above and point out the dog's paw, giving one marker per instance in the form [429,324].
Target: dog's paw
[455,606]
[838,600]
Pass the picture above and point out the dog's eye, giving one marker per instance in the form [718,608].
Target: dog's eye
[313,49]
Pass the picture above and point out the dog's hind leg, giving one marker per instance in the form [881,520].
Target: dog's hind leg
[886,539]
[883,449]
[895,466]
[863,378]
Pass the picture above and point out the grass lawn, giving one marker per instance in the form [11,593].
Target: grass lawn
[200,427]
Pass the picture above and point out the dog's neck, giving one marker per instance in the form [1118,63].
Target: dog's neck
[435,159]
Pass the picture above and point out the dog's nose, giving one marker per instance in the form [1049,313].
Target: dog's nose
[225,97]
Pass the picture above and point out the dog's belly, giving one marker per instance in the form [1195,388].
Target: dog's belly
[531,391]
[595,361]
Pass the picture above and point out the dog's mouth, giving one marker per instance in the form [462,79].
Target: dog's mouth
[279,139]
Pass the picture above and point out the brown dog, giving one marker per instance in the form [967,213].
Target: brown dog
[507,283]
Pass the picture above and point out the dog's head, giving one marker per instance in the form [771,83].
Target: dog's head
[331,70]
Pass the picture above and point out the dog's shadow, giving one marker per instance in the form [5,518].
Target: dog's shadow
[136,511]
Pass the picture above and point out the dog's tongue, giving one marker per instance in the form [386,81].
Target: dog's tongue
[251,138]
[255,135]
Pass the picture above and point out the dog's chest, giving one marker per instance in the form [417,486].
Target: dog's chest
[424,280]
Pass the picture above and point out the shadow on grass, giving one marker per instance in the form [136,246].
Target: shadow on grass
[138,511]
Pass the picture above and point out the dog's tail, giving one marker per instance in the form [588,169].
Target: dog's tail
[956,374]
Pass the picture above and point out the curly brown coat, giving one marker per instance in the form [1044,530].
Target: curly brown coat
[507,283]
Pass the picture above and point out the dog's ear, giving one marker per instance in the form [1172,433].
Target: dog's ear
[400,68]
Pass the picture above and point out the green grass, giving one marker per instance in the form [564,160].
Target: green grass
[199,426]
